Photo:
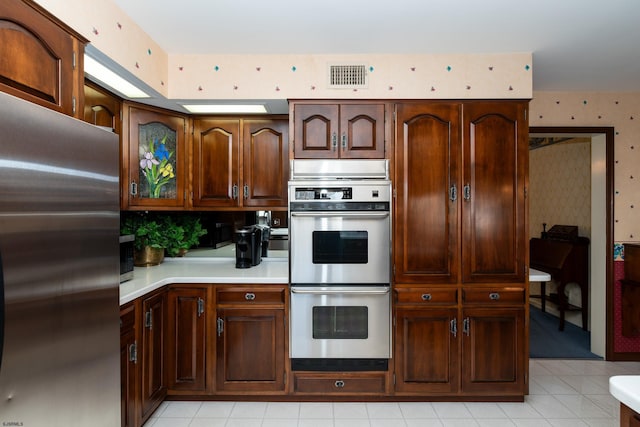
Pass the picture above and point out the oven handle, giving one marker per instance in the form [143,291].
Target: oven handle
[350,214]
[325,291]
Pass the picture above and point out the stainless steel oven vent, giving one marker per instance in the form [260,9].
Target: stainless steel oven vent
[348,76]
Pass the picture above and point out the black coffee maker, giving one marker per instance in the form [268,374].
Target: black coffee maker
[265,232]
[248,246]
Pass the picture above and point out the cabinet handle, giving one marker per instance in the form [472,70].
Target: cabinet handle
[467,192]
[148,319]
[344,141]
[426,297]
[334,141]
[133,188]
[465,326]
[133,353]
[234,191]
[220,326]
[494,296]
[246,191]
[339,384]
[453,327]
[453,193]
[200,307]
[249,296]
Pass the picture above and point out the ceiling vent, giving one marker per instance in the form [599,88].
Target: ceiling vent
[348,76]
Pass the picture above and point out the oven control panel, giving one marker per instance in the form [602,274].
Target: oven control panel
[344,193]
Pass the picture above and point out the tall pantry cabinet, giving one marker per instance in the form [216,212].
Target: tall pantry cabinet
[460,248]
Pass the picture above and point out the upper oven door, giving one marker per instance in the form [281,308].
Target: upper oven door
[340,247]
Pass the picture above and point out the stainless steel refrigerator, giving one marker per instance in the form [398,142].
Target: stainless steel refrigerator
[59,270]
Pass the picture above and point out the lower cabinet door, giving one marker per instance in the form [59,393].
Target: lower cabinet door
[186,343]
[426,351]
[493,351]
[128,377]
[250,350]
[154,387]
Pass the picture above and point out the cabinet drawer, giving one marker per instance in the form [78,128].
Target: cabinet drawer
[426,296]
[493,295]
[250,295]
[339,384]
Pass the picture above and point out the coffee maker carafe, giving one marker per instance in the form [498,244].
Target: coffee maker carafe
[248,247]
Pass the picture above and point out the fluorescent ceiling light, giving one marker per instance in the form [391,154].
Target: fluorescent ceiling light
[225,108]
[111,79]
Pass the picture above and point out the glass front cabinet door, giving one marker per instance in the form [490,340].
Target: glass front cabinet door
[155,170]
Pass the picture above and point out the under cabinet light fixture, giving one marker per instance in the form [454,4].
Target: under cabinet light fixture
[225,108]
[111,79]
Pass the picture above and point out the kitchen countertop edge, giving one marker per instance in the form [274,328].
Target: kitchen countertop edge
[201,270]
[626,388]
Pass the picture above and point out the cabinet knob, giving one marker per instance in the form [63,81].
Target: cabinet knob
[494,296]
[339,384]
[249,296]
[426,297]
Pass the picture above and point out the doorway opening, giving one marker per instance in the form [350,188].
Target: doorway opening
[600,145]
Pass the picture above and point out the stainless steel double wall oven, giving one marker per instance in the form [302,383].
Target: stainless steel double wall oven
[340,240]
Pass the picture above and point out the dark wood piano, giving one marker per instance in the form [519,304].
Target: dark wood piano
[565,256]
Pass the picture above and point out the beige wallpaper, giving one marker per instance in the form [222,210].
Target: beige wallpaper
[290,76]
[619,110]
[560,187]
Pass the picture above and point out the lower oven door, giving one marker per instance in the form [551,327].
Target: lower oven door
[340,322]
[340,247]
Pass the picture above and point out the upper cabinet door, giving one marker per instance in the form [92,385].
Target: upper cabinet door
[157,159]
[345,130]
[495,169]
[362,131]
[265,162]
[41,58]
[316,130]
[427,162]
[215,163]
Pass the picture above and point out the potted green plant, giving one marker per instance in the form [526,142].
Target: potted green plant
[150,237]
[183,233]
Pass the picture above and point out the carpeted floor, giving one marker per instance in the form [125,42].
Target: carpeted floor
[546,341]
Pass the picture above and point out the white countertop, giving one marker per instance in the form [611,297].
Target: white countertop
[538,276]
[218,266]
[626,388]
[210,266]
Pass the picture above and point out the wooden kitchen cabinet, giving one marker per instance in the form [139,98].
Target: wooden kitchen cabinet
[345,130]
[152,353]
[250,346]
[240,162]
[494,175]
[493,351]
[154,164]
[628,417]
[460,226]
[187,338]
[460,166]
[340,383]
[102,108]
[42,58]
[129,372]
[426,348]
[428,164]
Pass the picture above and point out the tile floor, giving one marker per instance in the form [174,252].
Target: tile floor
[563,393]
